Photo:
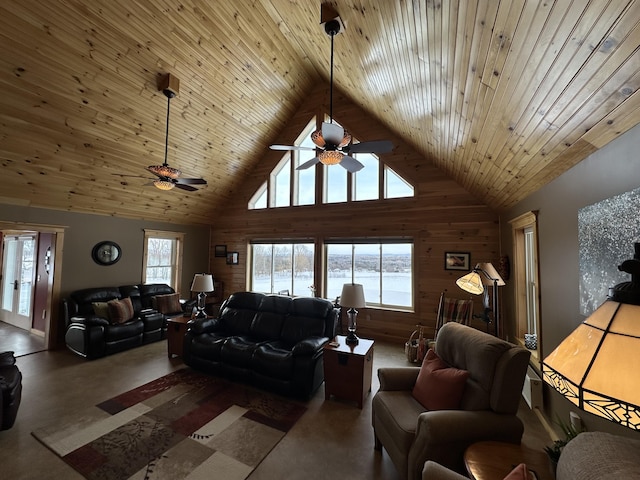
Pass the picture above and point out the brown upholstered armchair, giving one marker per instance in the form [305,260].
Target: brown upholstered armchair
[411,434]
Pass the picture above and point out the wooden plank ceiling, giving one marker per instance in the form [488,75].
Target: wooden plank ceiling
[503,95]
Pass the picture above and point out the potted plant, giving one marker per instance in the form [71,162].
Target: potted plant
[555,449]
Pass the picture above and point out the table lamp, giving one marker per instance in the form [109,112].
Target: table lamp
[352,297]
[202,283]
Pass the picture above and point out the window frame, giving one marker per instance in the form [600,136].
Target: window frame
[372,241]
[288,242]
[176,260]
[526,276]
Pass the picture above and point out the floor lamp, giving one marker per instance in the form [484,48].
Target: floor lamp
[477,281]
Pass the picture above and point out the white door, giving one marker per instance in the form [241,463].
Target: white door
[18,270]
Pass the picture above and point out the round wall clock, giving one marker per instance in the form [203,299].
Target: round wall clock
[106,253]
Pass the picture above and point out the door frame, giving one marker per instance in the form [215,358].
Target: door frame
[52,323]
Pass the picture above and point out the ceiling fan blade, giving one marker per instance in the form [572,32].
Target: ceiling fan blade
[351,164]
[188,188]
[191,181]
[308,164]
[332,133]
[374,146]
[289,147]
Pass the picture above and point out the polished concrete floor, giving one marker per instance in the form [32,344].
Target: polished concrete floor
[333,439]
[19,341]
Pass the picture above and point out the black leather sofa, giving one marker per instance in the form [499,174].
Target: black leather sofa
[94,336]
[271,341]
[10,390]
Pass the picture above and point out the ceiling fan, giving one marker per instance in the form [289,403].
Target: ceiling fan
[169,177]
[333,140]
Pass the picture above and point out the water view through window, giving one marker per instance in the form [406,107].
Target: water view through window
[384,270]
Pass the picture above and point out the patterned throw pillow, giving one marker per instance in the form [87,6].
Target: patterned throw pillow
[120,311]
[101,309]
[169,303]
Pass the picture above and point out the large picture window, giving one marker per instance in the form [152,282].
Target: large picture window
[384,268]
[283,268]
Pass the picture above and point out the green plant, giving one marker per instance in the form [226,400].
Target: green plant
[555,449]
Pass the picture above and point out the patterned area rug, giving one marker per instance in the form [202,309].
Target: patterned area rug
[183,425]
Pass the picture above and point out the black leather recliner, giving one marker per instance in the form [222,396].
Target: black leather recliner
[10,390]
[92,336]
[271,341]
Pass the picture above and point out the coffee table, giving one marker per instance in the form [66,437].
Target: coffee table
[494,460]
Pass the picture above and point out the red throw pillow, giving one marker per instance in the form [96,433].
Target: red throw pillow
[439,387]
[519,473]
[168,303]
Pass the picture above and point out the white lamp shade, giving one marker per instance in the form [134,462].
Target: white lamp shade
[202,282]
[352,296]
[471,283]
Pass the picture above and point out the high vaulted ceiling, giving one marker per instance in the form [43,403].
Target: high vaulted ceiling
[503,95]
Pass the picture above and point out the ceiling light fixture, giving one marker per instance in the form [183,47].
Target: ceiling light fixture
[163,184]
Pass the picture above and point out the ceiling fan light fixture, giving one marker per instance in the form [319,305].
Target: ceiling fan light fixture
[164,171]
[318,139]
[163,184]
[330,157]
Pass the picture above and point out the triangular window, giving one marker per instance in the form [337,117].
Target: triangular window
[290,187]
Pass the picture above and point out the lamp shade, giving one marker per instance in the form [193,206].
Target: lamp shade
[596,367]
[471,283]
[352,296]
[491,274]
[202,282]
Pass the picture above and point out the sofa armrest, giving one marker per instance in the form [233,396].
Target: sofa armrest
[202,325]
[435,471]
[309,346]
[90,321]
[398,378]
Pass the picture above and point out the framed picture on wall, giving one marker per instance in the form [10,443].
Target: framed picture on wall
[221,251]
[232,258]
[457,261]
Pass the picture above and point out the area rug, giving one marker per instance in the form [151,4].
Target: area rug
[183,425]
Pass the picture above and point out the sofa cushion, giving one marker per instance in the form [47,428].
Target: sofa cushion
[123,331]
[168,303]
[438,386]
[101,309]
[120,311]
[273,361]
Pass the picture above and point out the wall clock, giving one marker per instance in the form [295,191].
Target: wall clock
[106,253]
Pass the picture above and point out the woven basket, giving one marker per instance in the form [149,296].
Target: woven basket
[411,348]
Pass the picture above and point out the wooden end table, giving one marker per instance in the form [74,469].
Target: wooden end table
[176,328]
[348,369]
[494,460]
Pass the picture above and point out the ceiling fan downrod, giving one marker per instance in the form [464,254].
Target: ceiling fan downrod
[332,28]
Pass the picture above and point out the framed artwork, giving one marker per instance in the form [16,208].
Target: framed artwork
[232,258]
[221,251]
[457,261]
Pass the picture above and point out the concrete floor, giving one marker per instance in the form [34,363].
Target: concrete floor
[333,439]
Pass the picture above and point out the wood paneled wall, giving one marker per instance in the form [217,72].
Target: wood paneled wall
[441,217]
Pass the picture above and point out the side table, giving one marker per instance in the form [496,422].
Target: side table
[176,328]
[348,369]
[494,461]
